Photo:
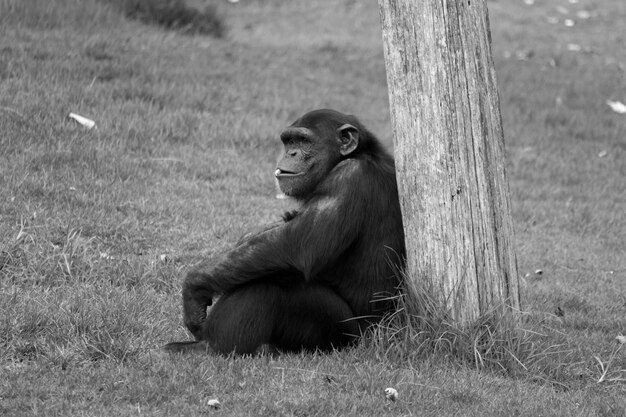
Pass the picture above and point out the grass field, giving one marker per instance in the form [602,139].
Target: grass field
[97,226]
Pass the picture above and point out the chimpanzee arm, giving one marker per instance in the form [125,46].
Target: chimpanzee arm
[315,238]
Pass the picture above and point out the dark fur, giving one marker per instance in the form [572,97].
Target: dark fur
[320,277]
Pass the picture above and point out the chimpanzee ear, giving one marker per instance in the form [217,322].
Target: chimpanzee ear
[348,139]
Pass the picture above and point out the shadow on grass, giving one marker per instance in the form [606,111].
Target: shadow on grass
[173,14]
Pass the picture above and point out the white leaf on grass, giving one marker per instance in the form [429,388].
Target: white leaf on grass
[617,106]
[82,120]
[214,403]
[391,394]
[569,23]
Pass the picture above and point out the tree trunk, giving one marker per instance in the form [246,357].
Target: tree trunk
[449,151]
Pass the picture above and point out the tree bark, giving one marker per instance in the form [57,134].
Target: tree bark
[449,150]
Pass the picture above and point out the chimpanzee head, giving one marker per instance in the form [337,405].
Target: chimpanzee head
[313,145]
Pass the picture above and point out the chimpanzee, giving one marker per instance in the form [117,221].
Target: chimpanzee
[319,277]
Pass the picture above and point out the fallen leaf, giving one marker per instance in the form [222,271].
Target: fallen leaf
[214,403]
[391,394]
[82,120]
[617,106]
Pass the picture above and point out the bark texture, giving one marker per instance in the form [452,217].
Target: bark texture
[449,151]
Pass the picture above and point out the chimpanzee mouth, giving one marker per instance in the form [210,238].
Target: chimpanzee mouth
[284,173]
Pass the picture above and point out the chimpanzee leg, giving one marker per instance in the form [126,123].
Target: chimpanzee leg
[303,316]
[313,317]
[242,321]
